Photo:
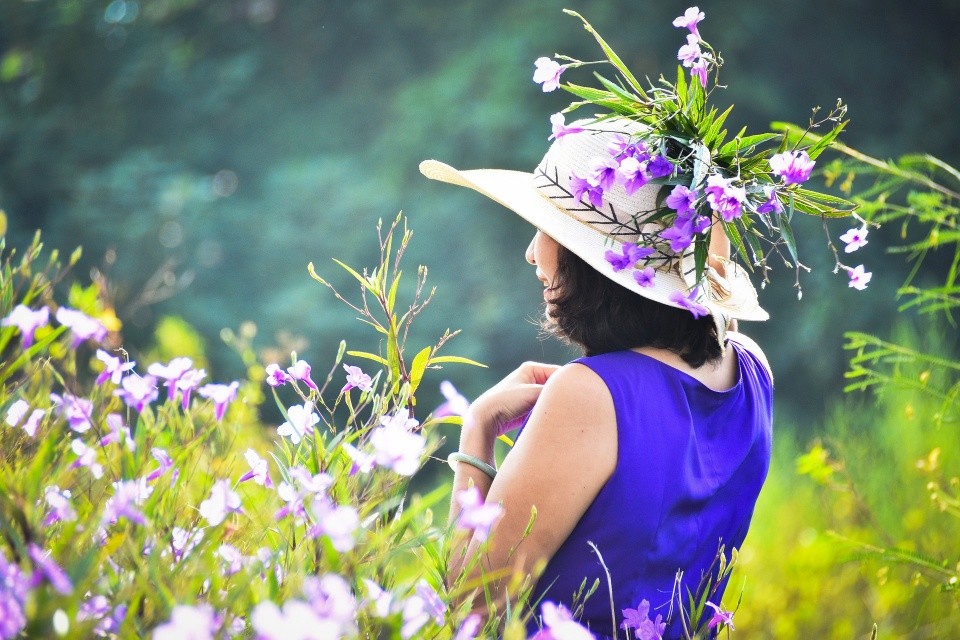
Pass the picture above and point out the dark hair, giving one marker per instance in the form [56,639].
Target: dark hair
[601,316]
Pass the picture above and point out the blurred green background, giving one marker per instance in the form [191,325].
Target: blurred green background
[204,151]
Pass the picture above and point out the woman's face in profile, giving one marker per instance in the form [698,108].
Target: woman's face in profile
[542,254]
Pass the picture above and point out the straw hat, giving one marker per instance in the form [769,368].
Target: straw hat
[545,198]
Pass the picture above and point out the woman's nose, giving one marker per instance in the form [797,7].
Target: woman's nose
[529,254]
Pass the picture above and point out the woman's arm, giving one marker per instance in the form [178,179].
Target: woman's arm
[567,452]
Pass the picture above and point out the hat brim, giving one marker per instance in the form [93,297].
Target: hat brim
[516,191]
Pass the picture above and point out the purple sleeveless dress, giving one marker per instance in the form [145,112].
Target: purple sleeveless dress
[690,464]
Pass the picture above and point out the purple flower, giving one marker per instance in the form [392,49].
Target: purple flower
[301,371]
[33,422]
[475,514]
[682,200]
[82,326]
[859,277]
[603,172]
[188,383]
[47,568]
[680,235]
[113,368]
[468,630]
[689,53]
[854,239]
[659,167]
[690,19]
[632,173]
[381,600]
[259,470]
[772,204]
[59,503]
[188,623]
[620,147]
[77,411]
[86,457]
[137,392]
[221,394]
[339,523]
[117,432]
[689,302]
[127,496]
[700,69]
[560,625]
[276,377]
[183,542]
[231,557]
[645,277]
[14,587]
[357,379]
[16,411]
[164,463]
[560,129]
[27,320]
[547,73]
[630,256]
[171,373]
[724,198]
[222,502]
[362,462]
[396,447]
[582,187]
[456,404]
[300,421]
[793,166]
[720,617]
[639,620]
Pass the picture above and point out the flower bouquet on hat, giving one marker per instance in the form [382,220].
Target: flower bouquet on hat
[638,188]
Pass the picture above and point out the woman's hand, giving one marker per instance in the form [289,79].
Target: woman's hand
[504,406]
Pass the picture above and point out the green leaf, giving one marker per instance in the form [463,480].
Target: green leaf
[418,367]
[611,55]
[616,90]
[787,233]
[455,359]
[361,279]
[369,356]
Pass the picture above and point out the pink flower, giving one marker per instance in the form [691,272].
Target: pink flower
[357,379]
[643,627]
[221,394]
[475,514]
[231,557]
[259,470]
[27,320]
[560,625]
[632,174]
[301,371]
[547,73]
[859,277]
[396,447]
[362,462]
[690,19]
[724,198]
[339,523]
[127,496]
[300,421]
[720,617]
[86,457]
[187,383]
[690,52]
[171,373]
[138,392]
[560,129]
[113,368]
[82,326]
[276,377]
[854,239]
[77,411]
[700,69]
[456,404]
[222,502]
[188,623]
[59,503]
[164,464]
[793,166]
[118,431]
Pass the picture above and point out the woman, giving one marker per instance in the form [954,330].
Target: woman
[654,446]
